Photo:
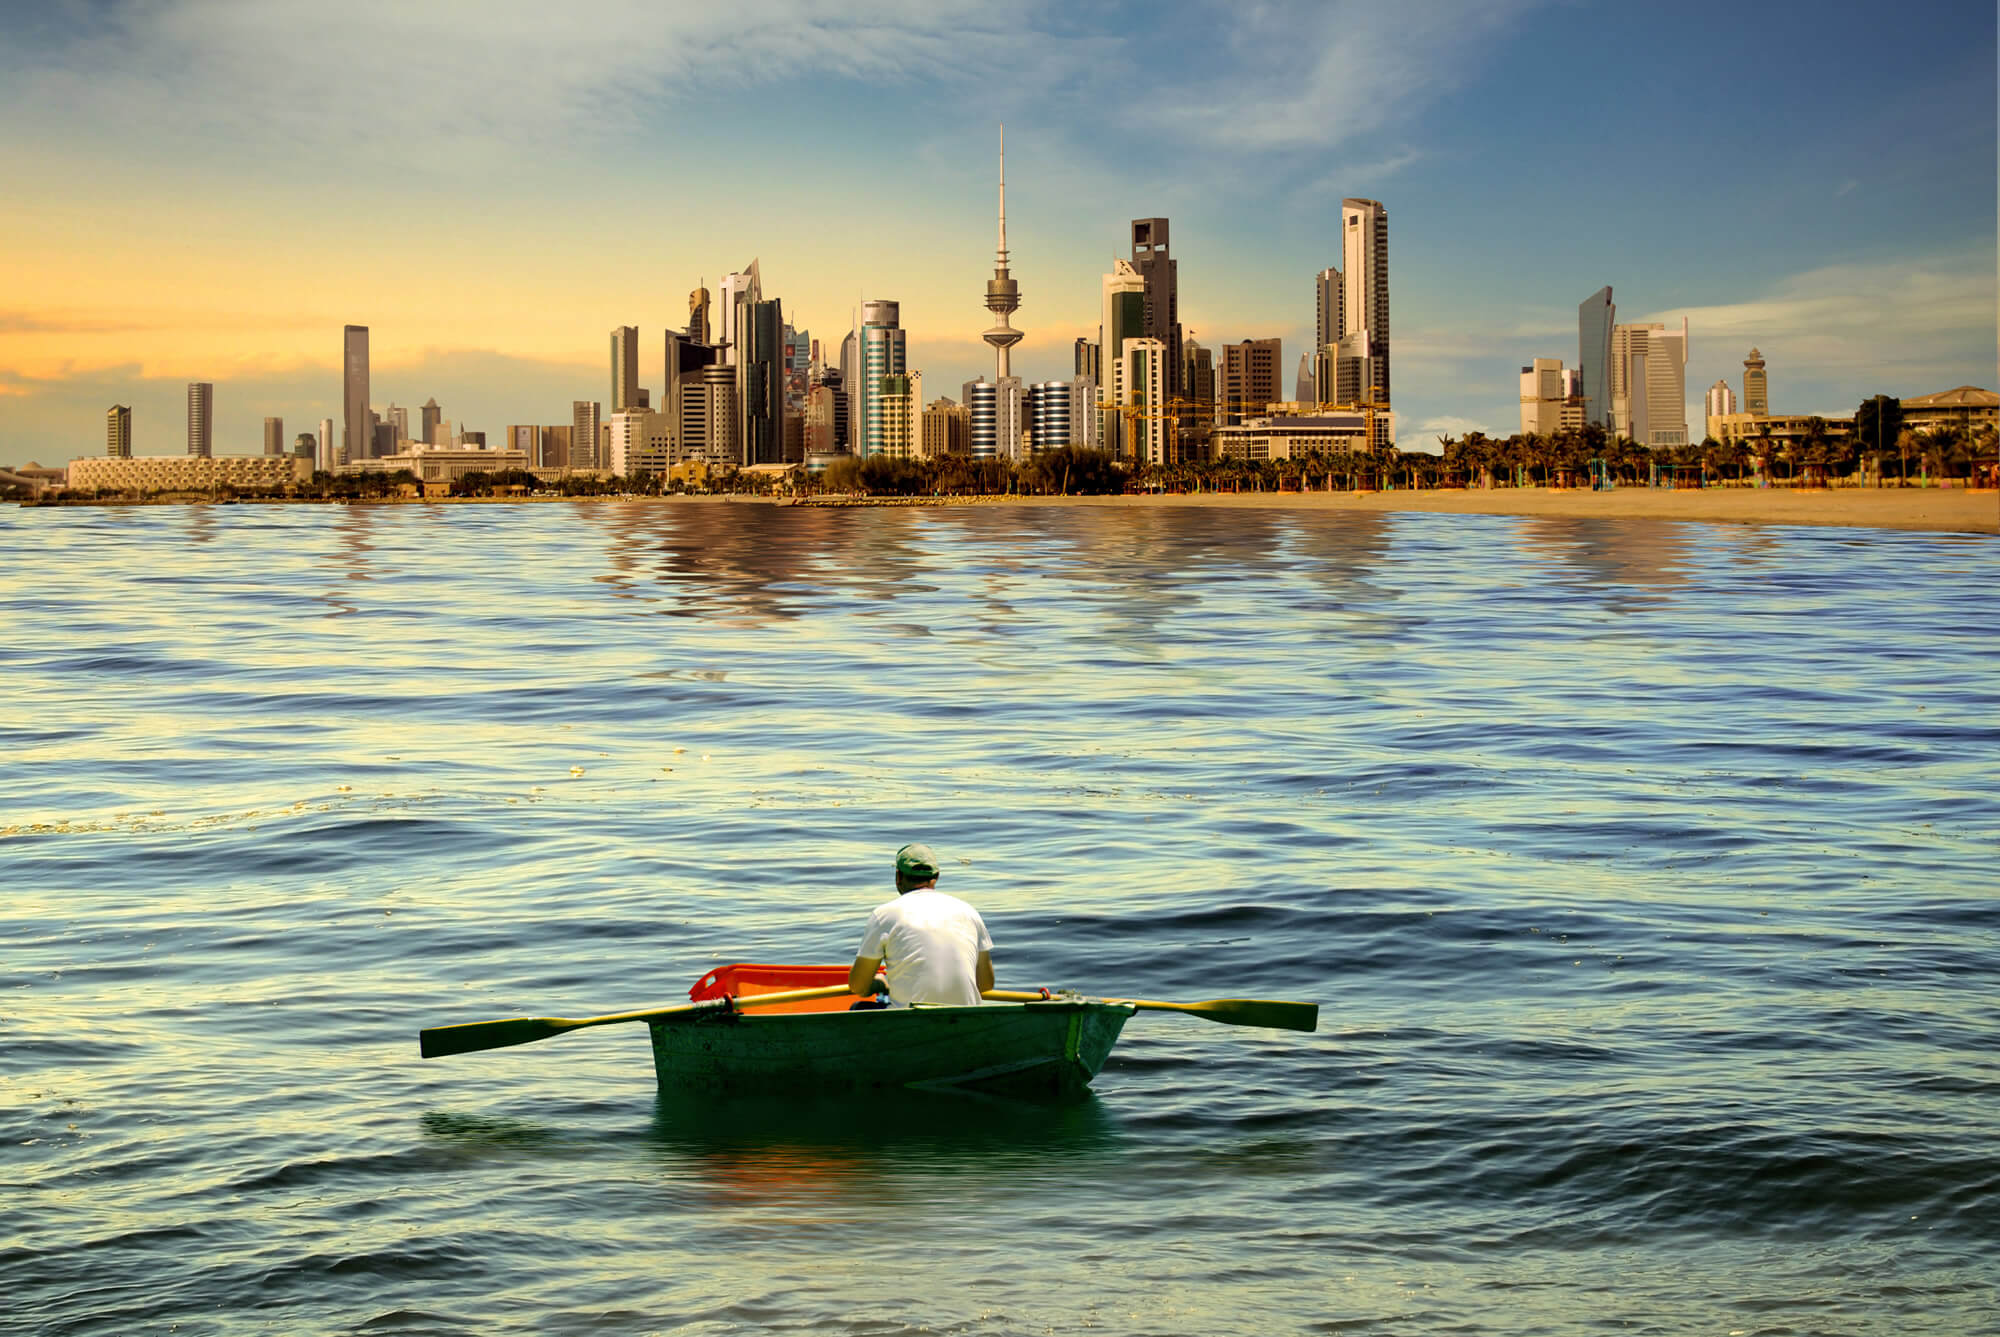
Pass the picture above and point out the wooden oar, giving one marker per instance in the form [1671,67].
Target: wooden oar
[1229,1011]
[473,1035]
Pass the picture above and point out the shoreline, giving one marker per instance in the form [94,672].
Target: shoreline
[1933,510]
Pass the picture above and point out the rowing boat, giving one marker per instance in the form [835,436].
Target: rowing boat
[1048,1046]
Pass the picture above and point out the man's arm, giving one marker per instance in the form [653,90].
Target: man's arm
[861,975]
[983,973]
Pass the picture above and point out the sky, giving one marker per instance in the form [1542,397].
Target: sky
[202,190]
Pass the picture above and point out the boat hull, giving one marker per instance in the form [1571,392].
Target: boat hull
[1044,1048]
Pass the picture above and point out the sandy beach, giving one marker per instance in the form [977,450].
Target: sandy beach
[1942,510]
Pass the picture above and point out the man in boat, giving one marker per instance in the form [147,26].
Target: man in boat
[933,947]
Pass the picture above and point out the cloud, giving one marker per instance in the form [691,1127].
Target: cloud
[382,80]
[1902,322]
[1319,74]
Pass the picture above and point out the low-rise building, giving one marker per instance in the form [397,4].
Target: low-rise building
[187,473]
[433,465]
[1967,408]
[1295,436]
[1787,428]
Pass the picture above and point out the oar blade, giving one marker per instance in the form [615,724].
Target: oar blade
[1258,1012]
[439,1041]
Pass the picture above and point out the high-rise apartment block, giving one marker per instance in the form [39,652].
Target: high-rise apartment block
[1364,234]
[1084,423]
[274,436]
[357,423]
[1756,387]
[1161,274]
[118,432]
[945,429]
[1143,377]
[1248,380]
[1596,315]
[201,419]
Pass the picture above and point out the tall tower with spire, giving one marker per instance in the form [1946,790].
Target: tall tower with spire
[1003,295]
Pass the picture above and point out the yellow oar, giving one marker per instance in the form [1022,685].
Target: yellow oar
[473,1035]
[1229,1011]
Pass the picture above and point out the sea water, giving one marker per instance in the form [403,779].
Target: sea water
[1644,874]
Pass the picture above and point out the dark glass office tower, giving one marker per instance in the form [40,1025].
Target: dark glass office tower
[1594,318]
[1161,271]
[760,370]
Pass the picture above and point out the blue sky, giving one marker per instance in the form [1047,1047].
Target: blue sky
[217,188]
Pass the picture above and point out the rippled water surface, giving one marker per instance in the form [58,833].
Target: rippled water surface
[1644,873]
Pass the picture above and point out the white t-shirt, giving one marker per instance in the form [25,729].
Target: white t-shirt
[929,945]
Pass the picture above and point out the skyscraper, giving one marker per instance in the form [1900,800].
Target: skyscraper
[1364,234]
[201,418]
[1648,383]
[1003,295]
[981,418]
[760,381]
[1161,272]
[883,351]
[1087,363]
[118,432]
[1249,380]
[1143,374]
[583,425]
[1303,391]
[357,429]
[274,436]
[697,327]
[1329,322]
[739,288]
[1595,316]
[1123,318]
[427,420]
[1048,409]
[624,369]
[326,459]
[1198,388]
[1756,388]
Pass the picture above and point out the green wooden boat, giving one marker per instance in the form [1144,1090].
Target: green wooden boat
[1047,1047]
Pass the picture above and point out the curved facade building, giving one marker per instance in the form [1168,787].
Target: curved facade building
[1048,415]
[982,411]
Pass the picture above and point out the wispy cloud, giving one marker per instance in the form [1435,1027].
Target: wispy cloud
[1891,319]
[1322,74]
[389,81]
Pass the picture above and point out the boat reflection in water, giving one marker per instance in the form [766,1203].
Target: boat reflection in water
[744,1148]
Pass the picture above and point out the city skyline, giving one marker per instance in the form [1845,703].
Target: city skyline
[1848,235]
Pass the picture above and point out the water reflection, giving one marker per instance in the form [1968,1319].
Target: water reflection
[1617,556]
[766,1147]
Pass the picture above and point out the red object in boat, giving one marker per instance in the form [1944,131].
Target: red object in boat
[745,980]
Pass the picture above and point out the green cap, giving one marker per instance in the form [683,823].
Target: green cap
[916,861]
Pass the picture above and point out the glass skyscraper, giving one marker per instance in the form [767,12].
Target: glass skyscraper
[1594,318]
